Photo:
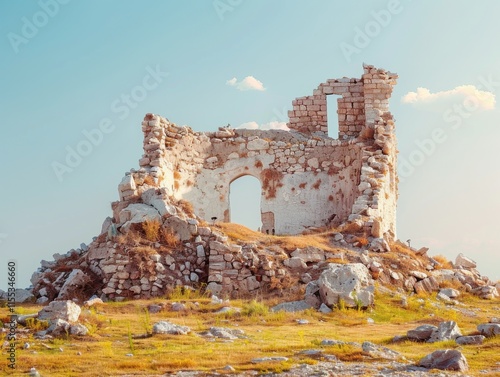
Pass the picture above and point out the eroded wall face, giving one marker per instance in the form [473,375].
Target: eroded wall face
[305,183]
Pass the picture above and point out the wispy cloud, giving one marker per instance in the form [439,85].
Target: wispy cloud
[482,99]
[248,83]
[274,125]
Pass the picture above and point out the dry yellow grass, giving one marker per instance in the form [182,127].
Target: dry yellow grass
[113,325]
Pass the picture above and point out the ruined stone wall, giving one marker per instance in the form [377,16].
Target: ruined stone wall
[305,182]
[308,179]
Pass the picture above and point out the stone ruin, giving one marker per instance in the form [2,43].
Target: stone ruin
[303,171]
[184,177]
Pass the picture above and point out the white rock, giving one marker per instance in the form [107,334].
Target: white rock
[351,283]
[165,327]
[464,262]
[445,331]
[295,262]
[309,254]
[65,310]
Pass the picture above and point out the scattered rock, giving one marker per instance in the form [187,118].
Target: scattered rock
[421,333]
[178,307]
[350,283]
[450,292]
[445,360]
[94,300]
[267,359]
[489,329]
[381,352]
[309,254]
[65,310]
[471,339]
[448,330]
[165,327]
[463,262]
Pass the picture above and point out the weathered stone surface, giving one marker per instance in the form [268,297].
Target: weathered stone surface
[138,213]
[295,262]
[445,360]
[350,283]
[421,333]
[379,352]
[58,327]
[450,292]
[427,285]
[78,329]
[463,262]
[165,327]
[179,227]
[471,339]
[489,329]
[445,331]
[65,310]
[75,281]
[418,274]
[309,254]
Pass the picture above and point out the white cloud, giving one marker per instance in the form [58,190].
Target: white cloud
[467,94]
[248,83]
[274,125]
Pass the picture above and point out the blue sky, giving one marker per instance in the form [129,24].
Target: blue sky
[70,67]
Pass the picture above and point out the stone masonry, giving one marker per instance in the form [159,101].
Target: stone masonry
[350,180]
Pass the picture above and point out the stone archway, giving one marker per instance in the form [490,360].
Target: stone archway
[245,193]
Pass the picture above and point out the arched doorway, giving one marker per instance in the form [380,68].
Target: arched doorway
[244,202]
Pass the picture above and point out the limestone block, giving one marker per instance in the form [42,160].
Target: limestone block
[257,144]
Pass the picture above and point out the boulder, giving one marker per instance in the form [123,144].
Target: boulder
[179,227]
[165,327]
[421,333]
[293,306]
[471,339]
[137,213]
[463,262]
[295,262]
[445,360]
[489,329]
[226,333]
[65,310]
[309,254]
[418,274]
[445,331]
[58,327]
[78,329]
[379,352]
[94,300]
[427,285]
[450,292]
[379,245]
[160,203]
[350,283]
[76,280]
